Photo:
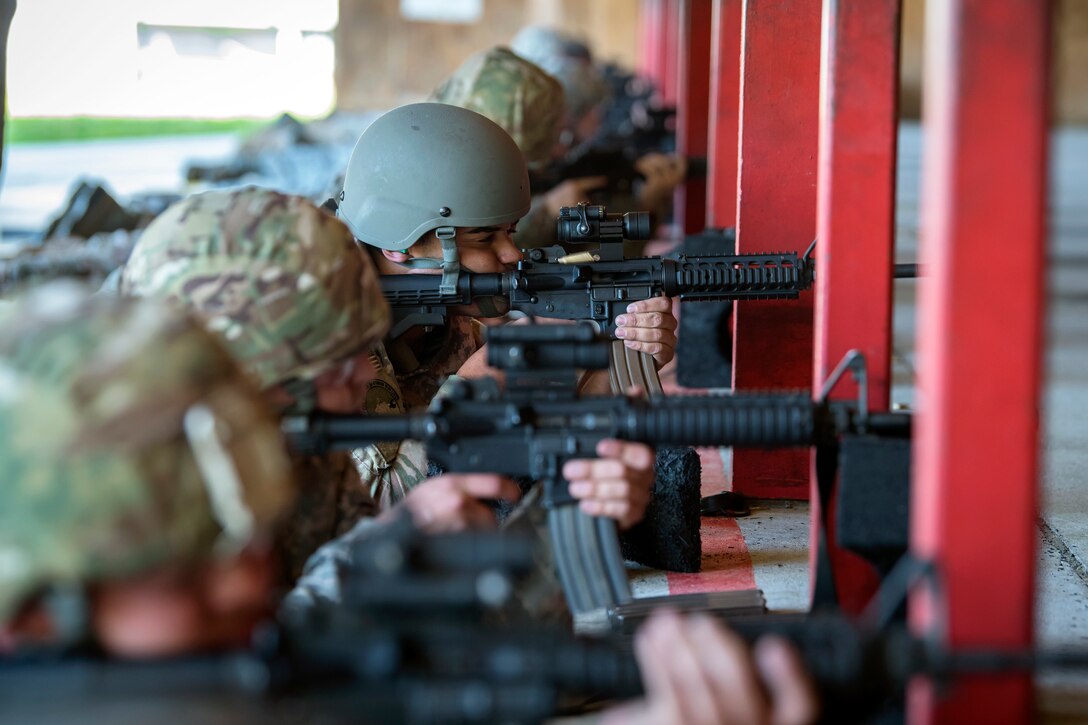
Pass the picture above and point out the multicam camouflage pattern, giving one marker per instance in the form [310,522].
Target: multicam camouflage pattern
[129,438]
[420,375]
[388,470]
[281,281]
[319,582]
[292,294]
[331,500]
[512,92]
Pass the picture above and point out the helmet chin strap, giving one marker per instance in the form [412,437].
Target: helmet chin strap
[450,264]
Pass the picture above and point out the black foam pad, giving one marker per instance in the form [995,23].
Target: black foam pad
[668,537]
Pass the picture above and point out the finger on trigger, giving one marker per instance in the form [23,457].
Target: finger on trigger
[662,320]
[653,304]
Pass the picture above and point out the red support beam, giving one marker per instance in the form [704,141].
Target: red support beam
[670,52]
[855,224]
[724,123]
[779,112]
[652,38]
[980,343]
[693,107]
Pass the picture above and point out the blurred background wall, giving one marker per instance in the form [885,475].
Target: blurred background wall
[384,57]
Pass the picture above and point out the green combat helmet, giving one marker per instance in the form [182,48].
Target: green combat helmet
[512,92]
[129,439]
[584,88]
[432,167]
[540,43]
[281,281]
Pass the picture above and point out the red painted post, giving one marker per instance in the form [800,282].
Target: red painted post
[693,107]
[855,224]
[779,112]
[652,35]
[670,52]
[721,178]
[980,343]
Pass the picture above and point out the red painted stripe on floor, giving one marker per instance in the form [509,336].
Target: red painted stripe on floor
[727,566]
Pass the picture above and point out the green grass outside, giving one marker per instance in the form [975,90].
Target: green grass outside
[84,128]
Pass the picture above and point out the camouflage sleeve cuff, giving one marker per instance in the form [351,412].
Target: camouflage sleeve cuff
[447,386]
[390,472]
[320,580]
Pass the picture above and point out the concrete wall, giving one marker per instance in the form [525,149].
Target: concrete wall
[1071,61]
[1070,58]
[383,60]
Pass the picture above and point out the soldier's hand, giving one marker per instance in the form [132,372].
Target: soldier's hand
[649,326]
[697,672]
[572,192]
[451,503]
[617,485]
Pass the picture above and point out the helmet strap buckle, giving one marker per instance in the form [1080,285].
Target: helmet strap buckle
[451,263]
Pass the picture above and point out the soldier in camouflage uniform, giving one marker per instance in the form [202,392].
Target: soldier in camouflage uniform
[142,465]
[432,188]
[570,62]
[297,301]
[139,460]
[516,94]
[529,105]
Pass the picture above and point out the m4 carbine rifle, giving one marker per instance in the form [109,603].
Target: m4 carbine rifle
[539,423]
[598,285]
[426,633]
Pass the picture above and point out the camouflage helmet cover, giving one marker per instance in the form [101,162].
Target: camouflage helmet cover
[282,281]
[514,93]
[425,166]
[130,438]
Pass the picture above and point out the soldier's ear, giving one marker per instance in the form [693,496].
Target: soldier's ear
[397,257]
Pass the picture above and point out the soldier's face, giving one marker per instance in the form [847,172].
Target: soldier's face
[487,249]
[480,249]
